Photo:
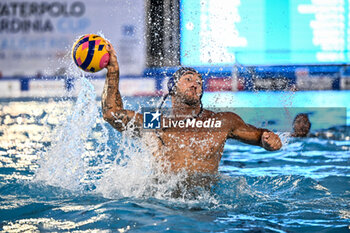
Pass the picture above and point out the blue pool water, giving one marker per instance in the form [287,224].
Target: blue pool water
[63,169]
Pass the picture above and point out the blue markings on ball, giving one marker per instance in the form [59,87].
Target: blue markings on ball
[76,48]
[89,56]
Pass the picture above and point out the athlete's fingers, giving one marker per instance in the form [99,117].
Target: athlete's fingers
[271,140]
[113,61]
[276,142]
[265,135]
[110,48]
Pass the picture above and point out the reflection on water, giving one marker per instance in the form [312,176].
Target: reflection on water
[62,168]
[49,224]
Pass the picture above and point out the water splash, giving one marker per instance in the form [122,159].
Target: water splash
[63,164]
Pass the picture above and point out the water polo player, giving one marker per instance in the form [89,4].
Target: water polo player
[196,151]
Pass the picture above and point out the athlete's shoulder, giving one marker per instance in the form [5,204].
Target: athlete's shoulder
[226,117]
[218,113]
[208,113]
[221,115]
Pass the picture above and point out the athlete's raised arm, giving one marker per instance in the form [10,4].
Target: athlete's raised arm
[249,134]
[112,104]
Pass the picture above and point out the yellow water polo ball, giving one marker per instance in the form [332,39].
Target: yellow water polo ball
[90,54]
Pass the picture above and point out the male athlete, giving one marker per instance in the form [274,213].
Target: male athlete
[301,125]
[190,150]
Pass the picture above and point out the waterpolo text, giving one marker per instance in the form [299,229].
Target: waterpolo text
[23,16]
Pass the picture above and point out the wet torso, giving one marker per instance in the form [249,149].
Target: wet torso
[195,150]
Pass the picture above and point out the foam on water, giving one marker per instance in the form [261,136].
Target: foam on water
[63,164]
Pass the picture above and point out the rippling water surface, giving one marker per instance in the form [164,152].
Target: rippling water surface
[63,169]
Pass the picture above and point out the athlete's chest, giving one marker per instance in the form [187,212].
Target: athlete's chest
[202,144]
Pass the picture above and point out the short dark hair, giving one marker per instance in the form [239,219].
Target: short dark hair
[303,121]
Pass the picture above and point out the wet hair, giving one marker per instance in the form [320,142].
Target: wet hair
[174,79]
[303,122]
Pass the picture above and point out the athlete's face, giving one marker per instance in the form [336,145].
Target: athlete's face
[189,88]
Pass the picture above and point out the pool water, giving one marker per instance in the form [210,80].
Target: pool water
[62,168]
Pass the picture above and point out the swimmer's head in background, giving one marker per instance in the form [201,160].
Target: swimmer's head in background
[301,125]
[176,76]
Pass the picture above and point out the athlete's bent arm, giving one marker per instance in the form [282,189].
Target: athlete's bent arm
[112,104]
[249,134]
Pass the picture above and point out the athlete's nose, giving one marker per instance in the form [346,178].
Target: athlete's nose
[195,84]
